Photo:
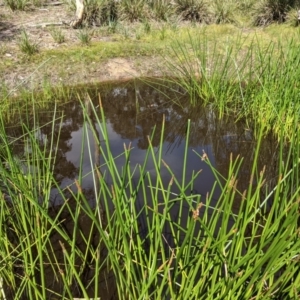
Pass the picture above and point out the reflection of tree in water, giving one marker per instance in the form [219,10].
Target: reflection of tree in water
[134,108]
[237,139]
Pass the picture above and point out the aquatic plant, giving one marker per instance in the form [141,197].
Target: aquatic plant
[123,232]
[256,81]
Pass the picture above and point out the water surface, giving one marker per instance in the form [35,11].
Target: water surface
[135,110]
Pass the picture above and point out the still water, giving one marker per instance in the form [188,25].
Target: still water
[132,110]
[135,110]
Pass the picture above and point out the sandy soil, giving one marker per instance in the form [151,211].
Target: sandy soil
[37,23]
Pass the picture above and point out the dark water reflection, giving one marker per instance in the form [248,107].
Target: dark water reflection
[132,110]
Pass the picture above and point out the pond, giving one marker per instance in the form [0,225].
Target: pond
[135,110]
[132,110]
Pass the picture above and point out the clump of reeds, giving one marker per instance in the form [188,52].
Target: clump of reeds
[123,232]
[254,82]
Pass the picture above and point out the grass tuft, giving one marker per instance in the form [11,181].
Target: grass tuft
[271,11]
[162,10]
[224,11]
[17,4]
[85,36]
[26,46]
[133,10]
[193,10]
[256,83]
[57,35]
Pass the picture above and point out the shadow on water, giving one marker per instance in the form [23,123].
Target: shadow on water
[133,109]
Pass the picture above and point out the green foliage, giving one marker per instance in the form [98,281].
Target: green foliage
[163,32]
[3,49]
[133,10]
[85,36]
[26,46]
[17,4]
[146,26]
[256,82]
[269,11]
[224,11]
[125,32]
[245,5]
[23,4]
[162,10]
[57,35]
[262,12]
[99,12]
[193,10]
[112,26]
[109,12]
[244,244]
[292,17]
[34,233]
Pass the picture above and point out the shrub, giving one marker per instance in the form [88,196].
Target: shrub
[270,11]
[109,12]
[133,10]
[193,10]
[16,4]
[162,9]
[292,17]
[99,12]
[224,11]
